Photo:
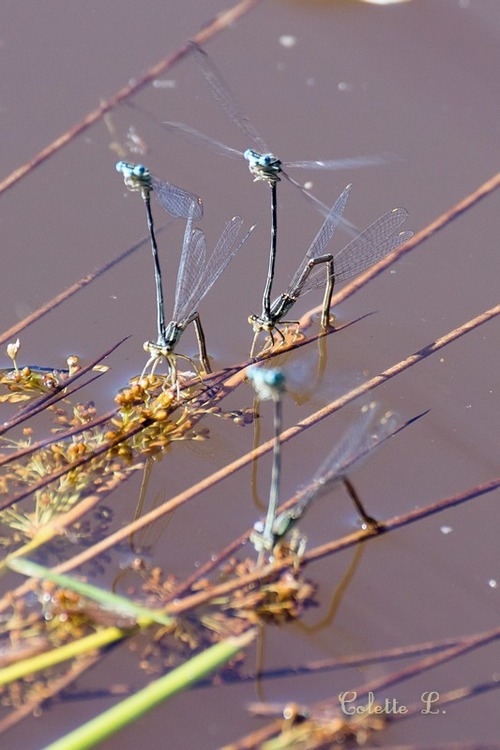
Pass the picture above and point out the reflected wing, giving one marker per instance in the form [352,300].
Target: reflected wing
[369,430]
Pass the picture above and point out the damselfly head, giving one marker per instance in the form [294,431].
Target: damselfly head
[268,383]
[259,324]
[132,170]
[135,176]
[263,166]
[254,322]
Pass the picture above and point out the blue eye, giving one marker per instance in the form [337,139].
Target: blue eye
[267,383]
[132,170]
[275,378]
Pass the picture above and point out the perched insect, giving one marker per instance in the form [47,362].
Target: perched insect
[264,165]
[195,277]
[372,244]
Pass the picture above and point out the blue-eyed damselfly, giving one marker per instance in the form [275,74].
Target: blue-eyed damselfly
[177,202]
[263,164]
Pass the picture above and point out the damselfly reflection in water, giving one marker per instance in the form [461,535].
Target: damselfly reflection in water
[309,381]
[368,431]
[270,384]
[374,243]
[177,202]
[141,544]
[195,277]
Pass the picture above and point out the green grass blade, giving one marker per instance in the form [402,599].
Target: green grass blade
[130,709]
[63,653]
[110,601]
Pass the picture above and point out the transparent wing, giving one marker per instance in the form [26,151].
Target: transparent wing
[373,244]
[223,253]
[319,206]
[201,138]
[366,433]
[349,163]
[225,97]
[191,265]
[176,201]
[323,237]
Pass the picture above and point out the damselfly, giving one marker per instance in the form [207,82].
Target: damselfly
[375,242]
[177,202]
[367,432]
[195,277]
[263,164]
